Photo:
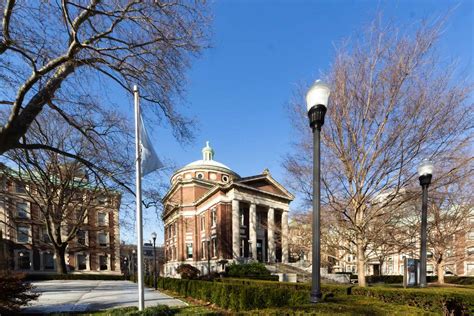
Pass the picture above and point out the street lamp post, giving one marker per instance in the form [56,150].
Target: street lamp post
[153,235]
[316,102]
[132,262]
[425,171]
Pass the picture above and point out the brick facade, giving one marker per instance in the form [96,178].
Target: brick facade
[212,214]
[25,244]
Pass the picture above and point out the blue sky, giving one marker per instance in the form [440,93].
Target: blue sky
[261,51]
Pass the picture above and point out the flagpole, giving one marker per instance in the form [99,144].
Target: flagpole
[141,294]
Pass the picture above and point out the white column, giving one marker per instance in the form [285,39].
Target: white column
[235,229]
[253,229]
[284,236]
[271,234]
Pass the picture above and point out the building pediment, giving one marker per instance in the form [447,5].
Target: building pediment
[266,183]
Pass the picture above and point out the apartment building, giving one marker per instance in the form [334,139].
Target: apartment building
[26,245]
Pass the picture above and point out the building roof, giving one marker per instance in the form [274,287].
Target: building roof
[207,162]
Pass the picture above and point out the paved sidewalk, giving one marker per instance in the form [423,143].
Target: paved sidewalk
[89,295]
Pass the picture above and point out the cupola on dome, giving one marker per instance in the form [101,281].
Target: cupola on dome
[207,163]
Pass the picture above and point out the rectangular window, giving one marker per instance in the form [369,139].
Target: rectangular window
[24,261]
[470,268]
[102,200]
[203,223]
[81,237]
[48,261]
[204,249]
[102,219]
[242,217]
[20,188]
[214,217]
[242,247]
[103,263]
[23,233]
[22,210]
[471,235]
[103,239]
[44,235]
[189,250]
[214,247]
[81,262]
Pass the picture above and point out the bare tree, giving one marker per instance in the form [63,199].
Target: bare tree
[393,102]
[68,56]
[449,212]
[62,190]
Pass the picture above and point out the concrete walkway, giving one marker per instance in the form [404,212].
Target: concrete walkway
[88,295]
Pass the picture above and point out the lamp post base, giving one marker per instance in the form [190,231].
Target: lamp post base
[316,297]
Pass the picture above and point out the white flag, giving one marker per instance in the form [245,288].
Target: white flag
[150,161]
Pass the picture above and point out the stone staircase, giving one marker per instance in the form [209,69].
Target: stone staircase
[303,274]
[282,268]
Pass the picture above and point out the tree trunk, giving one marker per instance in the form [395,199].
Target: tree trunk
[440,273]
[60,253]
[361,264]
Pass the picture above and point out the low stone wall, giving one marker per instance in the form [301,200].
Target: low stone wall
[287,277]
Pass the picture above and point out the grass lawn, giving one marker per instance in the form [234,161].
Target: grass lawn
[345,305]
[348,305]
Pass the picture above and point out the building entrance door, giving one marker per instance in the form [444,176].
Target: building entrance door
[259,250]
[376,269]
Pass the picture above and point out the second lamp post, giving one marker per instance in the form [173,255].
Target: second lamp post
[425,171]
[153,235]
[316,102]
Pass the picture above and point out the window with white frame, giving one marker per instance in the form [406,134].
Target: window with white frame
[103,239]
[82,237]
[189,250]
[23,260]
[48,261]
[203,249]
[103,262]
[213,217]
[471,221]
[470,235]
[20,188]
[470,268]
[102,200]
[23,234]
[470,251]
[22,210]
[429,268]
[102,219]
[242,247]
[81,261]
[242,217]
[214,246]
[203,222]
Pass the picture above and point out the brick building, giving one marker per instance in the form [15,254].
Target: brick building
[25,245]
[213,214]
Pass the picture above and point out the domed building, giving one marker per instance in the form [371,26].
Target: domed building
[212,214]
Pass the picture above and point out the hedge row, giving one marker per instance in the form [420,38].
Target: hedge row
[326,288]
[44,277]
[240,295]
[392,279]
[234,296]
[448,301]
